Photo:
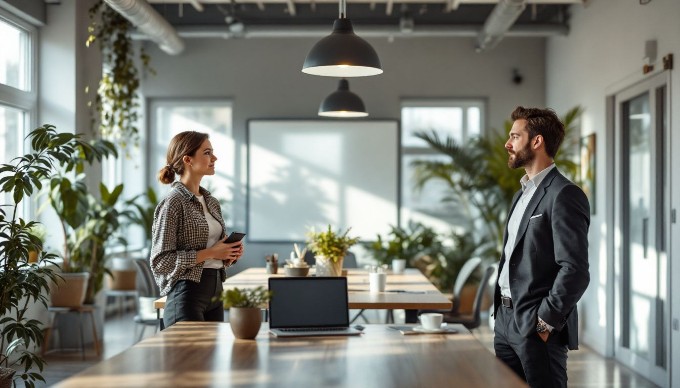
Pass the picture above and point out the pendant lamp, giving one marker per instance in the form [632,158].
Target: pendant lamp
[342,53]
[342,103]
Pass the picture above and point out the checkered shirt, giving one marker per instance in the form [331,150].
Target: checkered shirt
[180,230]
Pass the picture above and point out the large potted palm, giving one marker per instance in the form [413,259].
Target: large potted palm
[24,284]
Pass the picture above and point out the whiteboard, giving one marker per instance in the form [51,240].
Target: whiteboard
[306,174]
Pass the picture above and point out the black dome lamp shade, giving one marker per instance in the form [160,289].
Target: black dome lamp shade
[342,103]
[342,53]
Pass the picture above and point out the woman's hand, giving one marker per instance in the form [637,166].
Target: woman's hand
[227,252]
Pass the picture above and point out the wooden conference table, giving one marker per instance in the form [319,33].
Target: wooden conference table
[410,291]
[205,354]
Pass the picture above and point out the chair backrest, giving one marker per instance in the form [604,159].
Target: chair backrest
[477,304]
[148,283]
[350,260]
[463,275]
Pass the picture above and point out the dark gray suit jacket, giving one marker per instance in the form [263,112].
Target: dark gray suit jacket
[549,265]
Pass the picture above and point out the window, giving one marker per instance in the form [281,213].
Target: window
[213,116]
[458,119]
[18,97]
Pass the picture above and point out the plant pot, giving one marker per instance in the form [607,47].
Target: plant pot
[245,321]
[69,292]
[6,376]
[33,256]
[123,280]
[328,267]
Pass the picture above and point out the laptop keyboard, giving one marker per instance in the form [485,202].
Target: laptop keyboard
[297,329]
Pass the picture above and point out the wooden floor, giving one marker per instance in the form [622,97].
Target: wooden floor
[585,368]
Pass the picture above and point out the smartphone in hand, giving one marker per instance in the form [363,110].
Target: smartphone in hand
[234,237]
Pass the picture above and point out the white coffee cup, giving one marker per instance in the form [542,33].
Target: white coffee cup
[431,321]
[398,265]
[376,281]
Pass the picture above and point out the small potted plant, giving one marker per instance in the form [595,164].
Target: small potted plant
[40,232]
[245,305]
[329,250]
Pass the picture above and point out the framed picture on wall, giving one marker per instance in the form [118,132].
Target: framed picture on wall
[588,166]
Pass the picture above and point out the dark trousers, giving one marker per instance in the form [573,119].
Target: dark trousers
[541,364]
[191,301]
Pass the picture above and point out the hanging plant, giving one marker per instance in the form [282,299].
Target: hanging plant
[115,107]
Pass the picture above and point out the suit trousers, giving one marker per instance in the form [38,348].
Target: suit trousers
[540,364]
[191,301]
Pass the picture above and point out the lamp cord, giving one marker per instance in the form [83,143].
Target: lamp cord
[343,8]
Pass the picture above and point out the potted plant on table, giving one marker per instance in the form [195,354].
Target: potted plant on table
[329,250]
[24,284]
[245,315]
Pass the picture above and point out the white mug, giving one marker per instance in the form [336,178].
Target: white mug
[431,321]
[376,281]
[398,265]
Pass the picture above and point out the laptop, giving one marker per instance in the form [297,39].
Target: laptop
[309,306]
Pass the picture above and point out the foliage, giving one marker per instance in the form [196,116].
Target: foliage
[480,180]
[244,297]
[23,284]
[330,244]
[86,244]
[142,208]
[405,243]
[442,266]
[117,102]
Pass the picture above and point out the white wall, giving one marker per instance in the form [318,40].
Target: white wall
[263,78]
[602,55]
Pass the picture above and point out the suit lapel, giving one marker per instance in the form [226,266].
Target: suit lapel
[531,207]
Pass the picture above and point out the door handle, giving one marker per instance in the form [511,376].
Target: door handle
[645,223]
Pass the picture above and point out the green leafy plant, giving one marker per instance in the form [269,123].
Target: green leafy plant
[87,242]
[480,180]
[142,208]
[116,104]
[405,243]
[332,245]
[24,284]
[245,297]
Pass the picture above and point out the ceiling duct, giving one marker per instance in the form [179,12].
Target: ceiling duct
[499,22]
[149,22]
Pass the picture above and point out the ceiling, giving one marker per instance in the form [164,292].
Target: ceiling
[462,17]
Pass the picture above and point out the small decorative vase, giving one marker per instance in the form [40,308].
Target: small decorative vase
[327,267]
[6,376]
[245,321]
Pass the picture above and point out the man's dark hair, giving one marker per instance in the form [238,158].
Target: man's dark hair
[542,122]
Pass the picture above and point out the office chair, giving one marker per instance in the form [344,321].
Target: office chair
[473,320]
[461,279]
[148,292]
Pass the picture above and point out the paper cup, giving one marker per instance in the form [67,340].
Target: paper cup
[377,282]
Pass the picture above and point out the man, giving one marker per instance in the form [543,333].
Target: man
[544,266]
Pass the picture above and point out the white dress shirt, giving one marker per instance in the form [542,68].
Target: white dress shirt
[529,187]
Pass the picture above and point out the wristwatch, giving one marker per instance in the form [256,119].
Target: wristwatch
[541,327]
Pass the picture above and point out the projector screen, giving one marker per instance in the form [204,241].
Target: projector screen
[306,174]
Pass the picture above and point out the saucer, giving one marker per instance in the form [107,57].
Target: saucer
[421,329]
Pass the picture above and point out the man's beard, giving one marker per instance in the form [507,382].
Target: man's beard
[522,157]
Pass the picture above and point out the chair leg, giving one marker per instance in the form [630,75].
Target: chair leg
[141,333]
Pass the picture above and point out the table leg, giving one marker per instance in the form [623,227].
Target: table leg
[82,339]
[94,334]
[411,316]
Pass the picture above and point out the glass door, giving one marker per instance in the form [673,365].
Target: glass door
[642,196]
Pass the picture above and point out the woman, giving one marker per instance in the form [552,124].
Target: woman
[188,250]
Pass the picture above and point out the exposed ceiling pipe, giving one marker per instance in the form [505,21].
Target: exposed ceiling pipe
[469,31]
[149,22]
[503,16]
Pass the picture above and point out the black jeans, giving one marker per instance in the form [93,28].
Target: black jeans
[191,301]
[541,364]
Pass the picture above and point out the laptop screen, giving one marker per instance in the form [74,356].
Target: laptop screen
[308,302]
